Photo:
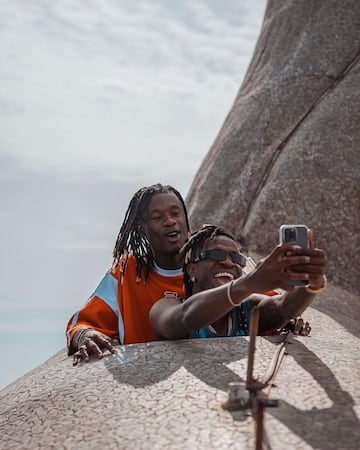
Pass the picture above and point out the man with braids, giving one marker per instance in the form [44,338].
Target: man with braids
[219,299]
[146,264]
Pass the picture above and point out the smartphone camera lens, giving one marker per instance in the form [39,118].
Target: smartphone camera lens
[290,235]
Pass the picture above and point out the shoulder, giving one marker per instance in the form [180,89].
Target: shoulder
[167,302]
[125,268]
[171,298]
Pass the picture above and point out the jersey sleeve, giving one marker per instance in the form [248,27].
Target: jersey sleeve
[101,312]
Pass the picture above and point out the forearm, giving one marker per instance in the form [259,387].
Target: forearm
[206,307]
[294,303]
[275,312]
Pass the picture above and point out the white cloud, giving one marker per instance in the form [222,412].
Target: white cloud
[120,85]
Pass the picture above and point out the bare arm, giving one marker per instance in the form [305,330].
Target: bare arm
[171,319]
[276,311]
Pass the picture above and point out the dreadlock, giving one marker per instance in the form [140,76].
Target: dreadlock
[129,240]
[195,245]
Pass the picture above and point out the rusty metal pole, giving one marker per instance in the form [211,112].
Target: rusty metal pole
[254,326]
[259,425]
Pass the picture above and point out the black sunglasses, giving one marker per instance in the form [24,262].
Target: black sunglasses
[221,255]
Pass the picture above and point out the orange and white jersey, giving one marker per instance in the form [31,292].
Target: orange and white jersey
[120,305]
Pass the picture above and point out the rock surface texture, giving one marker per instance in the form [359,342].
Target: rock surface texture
[289,149]
[169,395]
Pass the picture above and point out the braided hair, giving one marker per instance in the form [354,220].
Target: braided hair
[129,240]
[195,245]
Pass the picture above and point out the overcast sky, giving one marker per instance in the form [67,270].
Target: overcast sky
[97,99]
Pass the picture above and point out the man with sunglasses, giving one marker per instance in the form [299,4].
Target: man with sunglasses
[221,289]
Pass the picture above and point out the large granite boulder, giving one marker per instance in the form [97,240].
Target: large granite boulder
[288,151]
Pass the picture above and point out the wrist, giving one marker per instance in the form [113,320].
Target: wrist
[229,297]
[237,291]
[316,290]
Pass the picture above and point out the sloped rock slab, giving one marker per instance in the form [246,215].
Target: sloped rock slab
[288,151]
[170,395]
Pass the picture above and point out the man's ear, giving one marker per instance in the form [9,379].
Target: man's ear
[191,270]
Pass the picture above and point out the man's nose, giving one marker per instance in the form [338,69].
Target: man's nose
[169,221]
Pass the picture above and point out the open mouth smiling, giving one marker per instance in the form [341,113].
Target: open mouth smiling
[172,235]
[224,277]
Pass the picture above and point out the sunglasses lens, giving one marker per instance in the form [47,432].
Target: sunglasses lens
[240,259]
[221,255]
[236,258]
[217,255]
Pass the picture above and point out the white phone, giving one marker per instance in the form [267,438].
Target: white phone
[295,235]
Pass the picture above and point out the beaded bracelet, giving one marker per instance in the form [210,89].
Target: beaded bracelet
[229,294]
[310,290]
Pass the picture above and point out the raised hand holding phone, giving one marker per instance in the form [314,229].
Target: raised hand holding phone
[295,235]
